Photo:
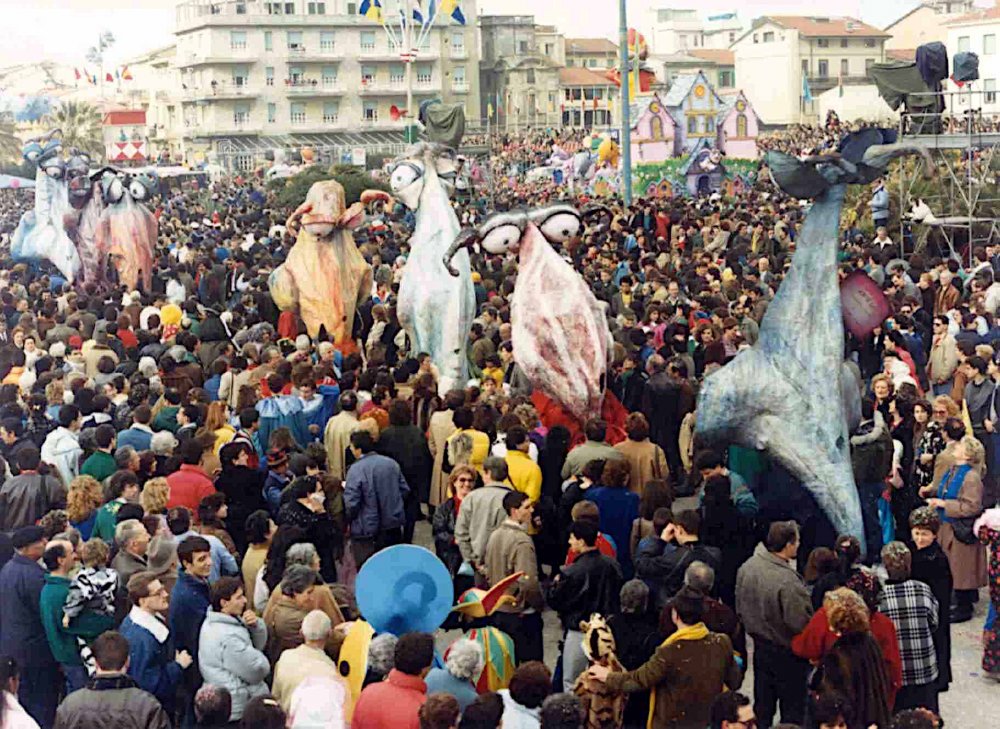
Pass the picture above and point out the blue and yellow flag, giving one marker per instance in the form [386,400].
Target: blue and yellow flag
[372,9]
[451,8]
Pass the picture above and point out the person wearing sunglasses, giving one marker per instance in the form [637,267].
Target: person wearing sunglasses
[732,710]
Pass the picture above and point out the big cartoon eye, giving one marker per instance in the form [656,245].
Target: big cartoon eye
[116,190]
[55,172]
[560,227]
[501,239]
[404,175]
[137,190]
[32,155]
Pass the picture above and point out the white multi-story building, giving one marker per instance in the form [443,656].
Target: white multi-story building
[977,32]
[672,31]
[783,63]
[256,76]
[924,23]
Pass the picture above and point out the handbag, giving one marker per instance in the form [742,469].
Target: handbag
[963,529]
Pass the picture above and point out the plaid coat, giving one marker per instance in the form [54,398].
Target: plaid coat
[913,609]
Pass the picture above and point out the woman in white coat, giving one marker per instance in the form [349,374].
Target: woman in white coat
[231,646]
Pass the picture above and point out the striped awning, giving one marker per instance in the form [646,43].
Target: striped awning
[250,144]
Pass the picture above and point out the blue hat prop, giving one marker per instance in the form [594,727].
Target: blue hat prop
[404,589]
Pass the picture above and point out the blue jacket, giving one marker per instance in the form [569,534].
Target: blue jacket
[880,204]
[138,439]
[189,603]
[618,509]
[373,495]
[282,411]
[151,663]
[439,681]
[22,636]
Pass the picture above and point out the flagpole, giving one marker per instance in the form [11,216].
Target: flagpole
[626,122]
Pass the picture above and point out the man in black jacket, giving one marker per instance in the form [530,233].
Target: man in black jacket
[590,585]
[663,407]
[663,561]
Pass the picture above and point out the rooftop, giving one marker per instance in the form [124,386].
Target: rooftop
[816,26]
[718,56]
[573,76]
[900,54]
[977,16]
[590,45]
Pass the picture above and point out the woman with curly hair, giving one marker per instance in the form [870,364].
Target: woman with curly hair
[929,436]
[854,667]
[85,496]
[212,511]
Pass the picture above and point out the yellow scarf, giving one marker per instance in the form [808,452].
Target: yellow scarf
[691,632]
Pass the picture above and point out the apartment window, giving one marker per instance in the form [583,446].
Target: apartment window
[272,113]
[269,75]
[869,62]
[396,74]
[296,76]
[845,68]
[823,42]
[331,110]
[458,42]
[424,75]
[522,46]
[316,8]
[990,90]
[274,8]
[368,40]
[823,68]
[327,40]
[692,125]
[963,43]
[367,75]
[238,40]
[289,8]
[989,45]
[844,43]
[756,38]
[268,41]
[352,8]
[241,115]
[805,66]
[548,50]
[732,36]
[869,42]
[726,79]
[298,112]
[369,111]
[329,76]
[531,75]
[295,40]
[241,76]
[769,37]
[241,8]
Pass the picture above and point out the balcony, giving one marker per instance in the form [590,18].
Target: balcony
[458,53]
[306,88]
[313,54]
[242,57]
[459,88]
[221,91]
[376,88]
[823,83]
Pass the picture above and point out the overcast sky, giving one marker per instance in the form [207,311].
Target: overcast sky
[63,30]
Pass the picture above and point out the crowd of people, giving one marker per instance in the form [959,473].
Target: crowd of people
[191,484]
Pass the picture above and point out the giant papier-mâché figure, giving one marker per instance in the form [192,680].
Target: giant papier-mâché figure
[559,328]
[126,230]
[41,234]
[325,277]
[791,395]
[435,309]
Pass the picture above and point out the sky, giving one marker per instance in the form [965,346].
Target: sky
[63,30]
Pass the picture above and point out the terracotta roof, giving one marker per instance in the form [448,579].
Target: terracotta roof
[719,56]
[573,76]
[976,16]
[124,116]
[590,45]
[812,26]
[901,54]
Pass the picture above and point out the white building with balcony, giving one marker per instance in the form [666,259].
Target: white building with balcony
[257,76]
[977,32]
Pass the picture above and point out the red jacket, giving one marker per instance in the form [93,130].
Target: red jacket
[817,638]
[188,486]
[391,704]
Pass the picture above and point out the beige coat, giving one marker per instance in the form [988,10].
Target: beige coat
[943,360]
[297,664]
[336,438]
[439,429]
[967,561]
[646,462]
[284,622]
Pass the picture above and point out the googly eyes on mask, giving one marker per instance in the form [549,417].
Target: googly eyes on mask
[560,227]
[137,190]
[115,191]
[404,175]
[501,239]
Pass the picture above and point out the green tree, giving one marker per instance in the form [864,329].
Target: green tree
[10,144]
[292,190]
[81,127]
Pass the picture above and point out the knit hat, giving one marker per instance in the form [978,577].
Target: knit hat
[58,350]
[897,560]
[925,518]
[160,554]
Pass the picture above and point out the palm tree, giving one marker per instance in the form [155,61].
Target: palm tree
[10,144]
[81,127]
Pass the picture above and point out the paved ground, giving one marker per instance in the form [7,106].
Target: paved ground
[972,701]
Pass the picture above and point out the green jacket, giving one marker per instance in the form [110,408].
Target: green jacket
[100,465]
[166,419]
[107,520]
[63,641]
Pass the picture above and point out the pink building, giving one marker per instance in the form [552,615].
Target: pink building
[654,135]
[738,127]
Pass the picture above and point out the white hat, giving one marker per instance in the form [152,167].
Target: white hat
[302,343]
[57,349]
